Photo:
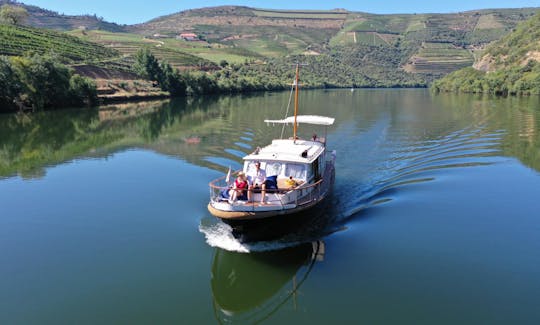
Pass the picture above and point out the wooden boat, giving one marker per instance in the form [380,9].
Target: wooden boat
[299,176]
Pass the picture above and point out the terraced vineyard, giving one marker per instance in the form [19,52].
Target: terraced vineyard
[264,33]
[16,41]
[170,50]
[440,58]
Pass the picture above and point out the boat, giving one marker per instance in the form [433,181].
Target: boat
[299,177]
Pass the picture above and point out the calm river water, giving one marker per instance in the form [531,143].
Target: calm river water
[434,219]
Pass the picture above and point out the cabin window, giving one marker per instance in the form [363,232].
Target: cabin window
[296,171]
[250,167]
[273,169]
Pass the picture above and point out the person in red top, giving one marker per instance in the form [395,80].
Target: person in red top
[240,185]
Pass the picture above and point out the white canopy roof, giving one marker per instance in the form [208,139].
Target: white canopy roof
[301,151]
[307,119]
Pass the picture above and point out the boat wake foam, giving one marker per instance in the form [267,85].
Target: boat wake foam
[220,235]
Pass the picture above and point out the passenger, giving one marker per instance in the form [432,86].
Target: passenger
[291,183]
[239,188]
[258,182]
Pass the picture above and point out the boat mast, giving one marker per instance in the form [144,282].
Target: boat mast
[295,126]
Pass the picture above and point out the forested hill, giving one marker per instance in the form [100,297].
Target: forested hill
[508,66]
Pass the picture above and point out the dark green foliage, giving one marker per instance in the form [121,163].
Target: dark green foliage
[83,91]
[200,83]
[9,84]
[169,79]
[41,82]
[146,65]
[512,81]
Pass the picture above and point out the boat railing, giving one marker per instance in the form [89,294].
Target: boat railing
[282,197]
[217,186]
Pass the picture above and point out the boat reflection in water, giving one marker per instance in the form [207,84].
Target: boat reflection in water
[251,287]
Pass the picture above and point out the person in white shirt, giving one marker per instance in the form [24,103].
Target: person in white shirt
[258,182]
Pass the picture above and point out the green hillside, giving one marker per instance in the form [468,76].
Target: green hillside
[430,44]
[368,49]
[18,40]
[387,49]
[508,66]
[260,32]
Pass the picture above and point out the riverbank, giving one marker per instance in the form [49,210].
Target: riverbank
[119,90]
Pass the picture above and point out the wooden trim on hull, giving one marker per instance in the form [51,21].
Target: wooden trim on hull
[253,215]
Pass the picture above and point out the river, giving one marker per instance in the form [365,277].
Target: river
[434,217]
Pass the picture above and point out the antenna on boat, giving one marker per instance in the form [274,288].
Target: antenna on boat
[295,125]
[296,85]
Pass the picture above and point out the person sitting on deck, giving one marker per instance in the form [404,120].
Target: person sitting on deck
[258,182]
[291,183]
[239,188]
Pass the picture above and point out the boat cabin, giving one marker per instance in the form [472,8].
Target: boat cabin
[286,160]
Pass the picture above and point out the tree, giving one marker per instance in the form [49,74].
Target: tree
[14,15]
[83,91]
[9,85]
[45,82]
[171,80]
[146,65]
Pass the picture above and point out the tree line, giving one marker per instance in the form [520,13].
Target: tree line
[518,80]
[41,81]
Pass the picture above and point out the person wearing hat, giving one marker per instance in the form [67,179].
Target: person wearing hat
[239,188]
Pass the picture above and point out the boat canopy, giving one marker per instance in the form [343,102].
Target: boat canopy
[306,119]
[300,151]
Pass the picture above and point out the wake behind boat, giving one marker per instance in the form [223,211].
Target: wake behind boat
[286,177]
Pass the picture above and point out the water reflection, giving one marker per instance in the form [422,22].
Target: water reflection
[216,131]
[30,142]
[249,288]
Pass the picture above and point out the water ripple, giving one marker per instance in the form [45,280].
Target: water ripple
[397,164]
